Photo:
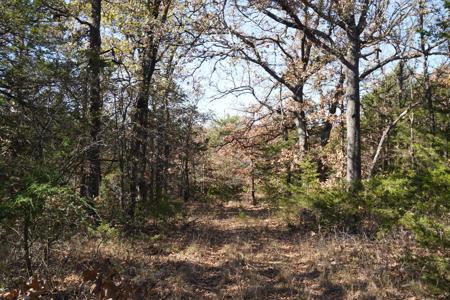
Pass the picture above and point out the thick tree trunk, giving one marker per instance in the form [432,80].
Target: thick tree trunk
[300,123]
[95,109]
[352,98]
[139,146]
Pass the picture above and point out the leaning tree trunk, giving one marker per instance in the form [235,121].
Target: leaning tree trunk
[352,98]
[95,109]
[385,136]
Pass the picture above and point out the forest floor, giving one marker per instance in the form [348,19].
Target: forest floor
[237,251]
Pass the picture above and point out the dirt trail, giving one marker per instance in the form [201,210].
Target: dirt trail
[236,251]
[239,251]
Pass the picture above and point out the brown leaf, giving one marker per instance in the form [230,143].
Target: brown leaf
[109,290]
[11,295]
[90,275]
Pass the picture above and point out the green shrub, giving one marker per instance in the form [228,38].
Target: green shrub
[37,218]
[109,204]
[418,201]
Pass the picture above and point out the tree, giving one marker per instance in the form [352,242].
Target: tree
[285,54]
[95,99]
[351,31]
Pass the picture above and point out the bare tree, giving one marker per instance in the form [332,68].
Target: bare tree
[351,31]
[283,52]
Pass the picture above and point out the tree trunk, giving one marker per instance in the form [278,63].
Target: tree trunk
[285,138]
[300,122]
[26,244]
[426,76]
[186,180]
[139,174]
[288,163]
[95,109]
[328,126]
[411,141]
[252,179]
[138,151]
[352,98]
[300,117]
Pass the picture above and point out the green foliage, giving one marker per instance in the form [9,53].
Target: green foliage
[161,210]
[109,204]
[105,231]
[428,230]
[54,212]
[433,270]
[418,201]
[227,190]
[221,129]
[242,214]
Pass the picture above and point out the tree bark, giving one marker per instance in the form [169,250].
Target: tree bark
[252,179]
[139,174]
[411,141]
[300,122]
[352,98]
[328,126]
[426,76]
[95,109]
[186,180]
[26,245]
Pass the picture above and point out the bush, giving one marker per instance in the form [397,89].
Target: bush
[418,201]
[38,217]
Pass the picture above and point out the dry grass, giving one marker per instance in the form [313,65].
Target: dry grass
[236,251]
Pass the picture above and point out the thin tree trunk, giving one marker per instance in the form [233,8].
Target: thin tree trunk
[411,140]
[252,179]
[26,245]
[401,82]
[288,163]
[186,181]
[385,136]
